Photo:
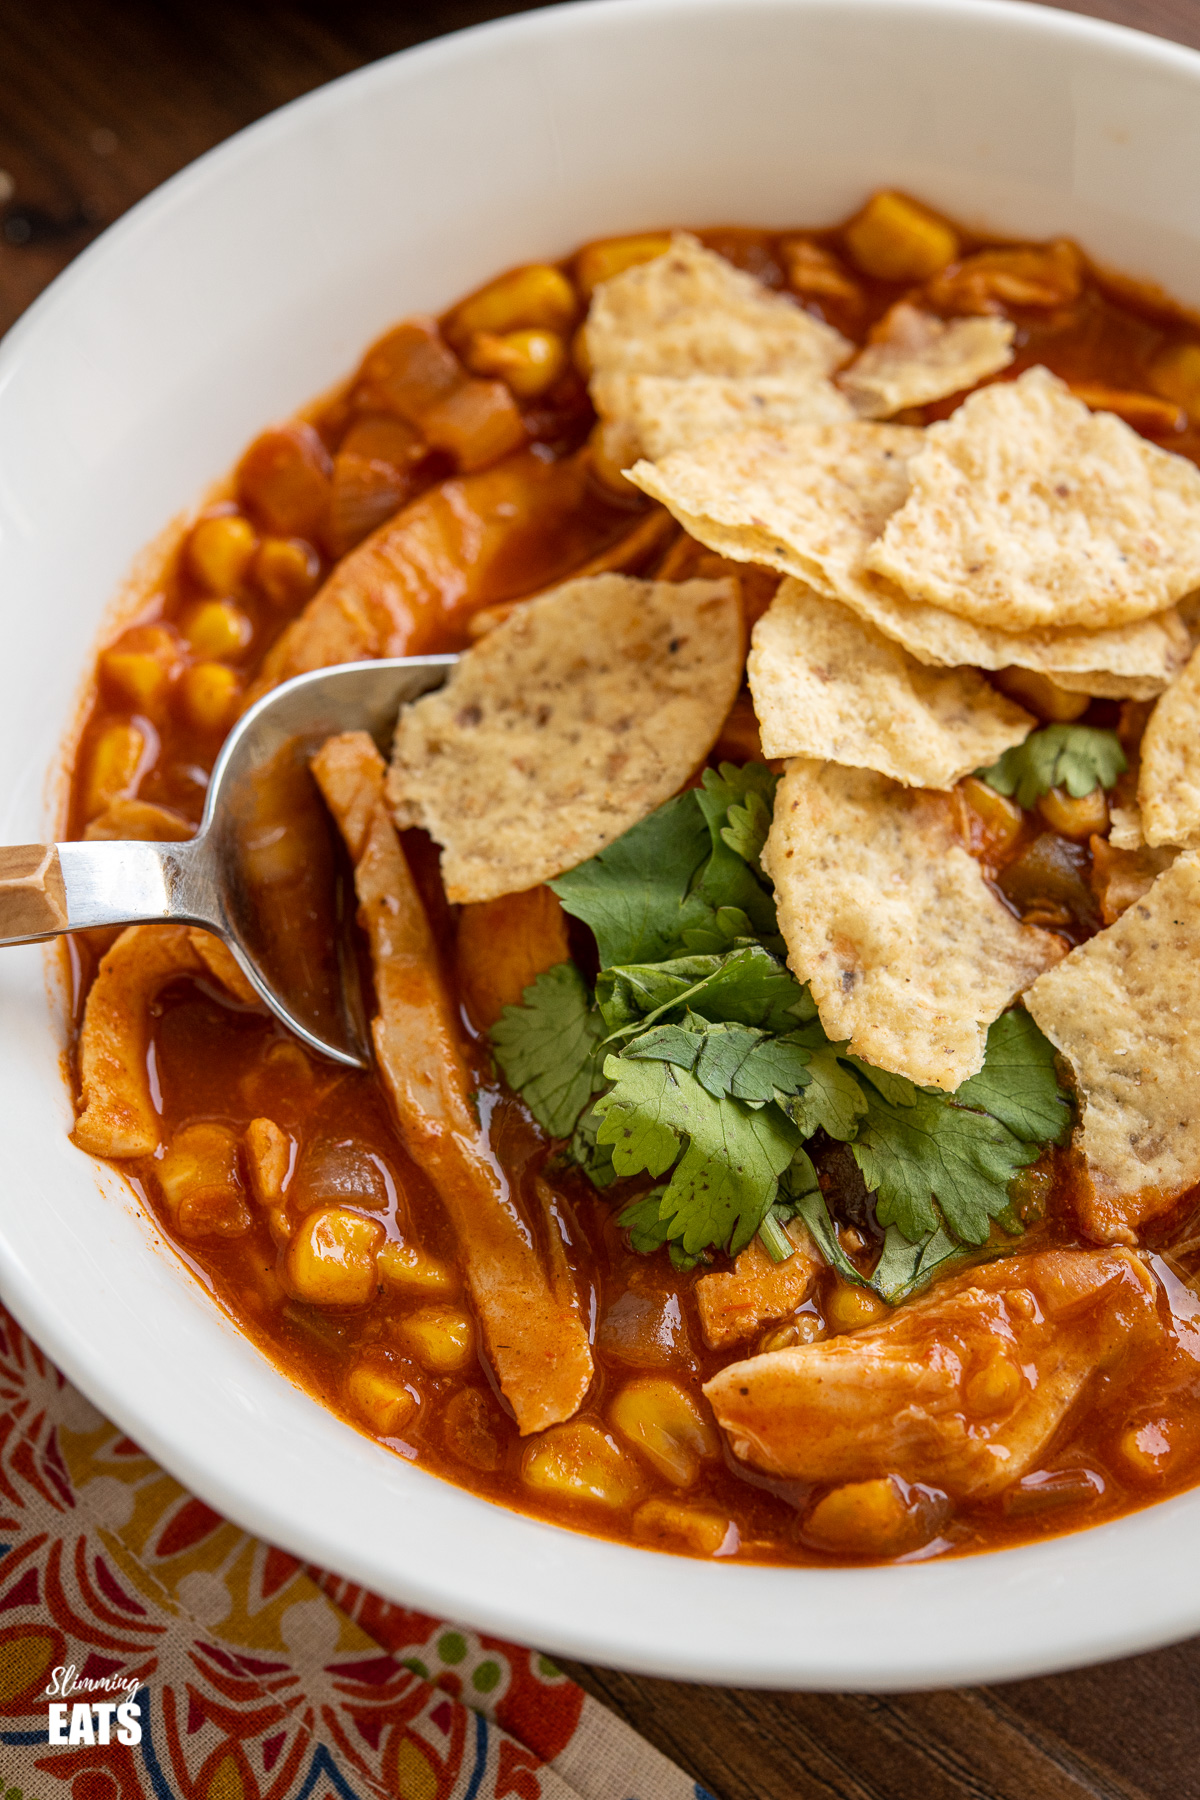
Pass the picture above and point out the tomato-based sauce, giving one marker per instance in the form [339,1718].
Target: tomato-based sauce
[172,683]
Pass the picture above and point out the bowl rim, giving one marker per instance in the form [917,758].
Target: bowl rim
[506,1608]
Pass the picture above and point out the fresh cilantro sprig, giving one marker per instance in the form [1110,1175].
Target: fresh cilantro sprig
[675,883]
[1076,757]
[699,1062]
[548,1048]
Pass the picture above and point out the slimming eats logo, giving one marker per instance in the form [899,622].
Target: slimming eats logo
[115,1719]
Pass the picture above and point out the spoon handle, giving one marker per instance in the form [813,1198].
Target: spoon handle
[46,889]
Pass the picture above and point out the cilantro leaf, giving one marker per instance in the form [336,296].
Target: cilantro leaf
[547,1047]
[832,1101]
[1077,757]
[746,986]
[726,1059]
[738,803]
[672,881]
[1018,1083]
[594,1159]
[931,1151]
[747,829]
[902,1268]
[726,1178]
[635,894]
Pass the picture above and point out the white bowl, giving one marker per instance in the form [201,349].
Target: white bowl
[249,283]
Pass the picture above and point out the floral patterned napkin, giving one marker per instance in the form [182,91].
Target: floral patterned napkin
[151,1650]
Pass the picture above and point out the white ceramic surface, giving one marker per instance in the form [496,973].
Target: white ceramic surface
[249,283]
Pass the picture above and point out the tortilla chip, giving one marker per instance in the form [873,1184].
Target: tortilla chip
[1029,511]
[1169,774]
[669,412]
[566,725]
[908,952]
[827,685]
[1123,1008]
[691,312]
[1125,828]
[923,358]
[807,499]
[811,500]
[1128,662]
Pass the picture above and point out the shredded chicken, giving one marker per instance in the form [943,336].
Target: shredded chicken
[119,1117]
[531,1325]
[443,557]
[735,1303]
[962,1389]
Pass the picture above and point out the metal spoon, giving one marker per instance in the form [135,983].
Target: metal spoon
[264,872]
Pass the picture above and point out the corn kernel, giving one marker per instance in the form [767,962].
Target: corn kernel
[220,551]
[287,570]
[867,1518]
[893,239]
[528,362]
[663,1421]
[1145,1449]
[209,694]
[380,1398]
[993,1389]
[600,262]
[218,628]
[331,1260]
[805,1328]
[1029,687]
[408,1266]
[707,1533]
[137,677]
[848,1307]
[580,1461]
[441,1340]
[112,767]
[1080,818]
[1176,376]
[537,296]
[199,1179]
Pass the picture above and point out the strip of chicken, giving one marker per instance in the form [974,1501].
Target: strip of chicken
[531,1325]
[962,1389]
[119,1117]
[464,544]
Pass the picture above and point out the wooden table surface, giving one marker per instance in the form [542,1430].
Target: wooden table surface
[102,100]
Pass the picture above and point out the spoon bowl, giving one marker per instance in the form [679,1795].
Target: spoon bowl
[265,872]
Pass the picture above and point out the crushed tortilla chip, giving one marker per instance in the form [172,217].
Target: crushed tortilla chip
[909,954]
[691,312]
[827,685]
[668,412]
[1124,1009]
[807,499]
[565,725]
[1169,774]
[1029,511]
[1125,828]
[1128,662]
[811,500]
[923,358]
